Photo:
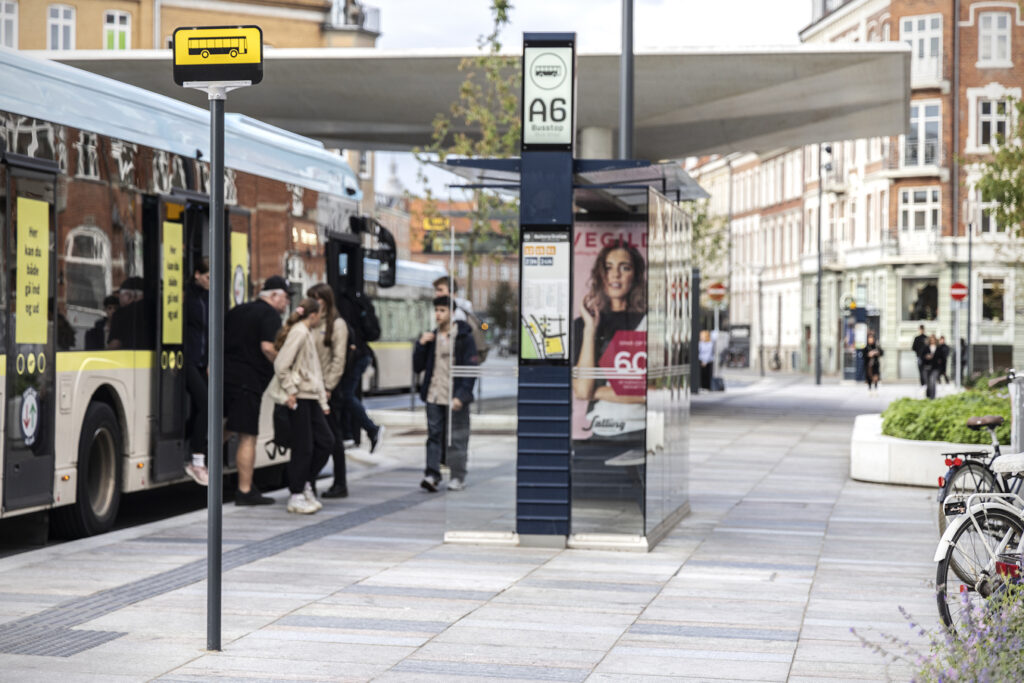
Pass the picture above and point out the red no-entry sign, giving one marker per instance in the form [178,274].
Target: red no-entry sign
[716,291]
[958,291]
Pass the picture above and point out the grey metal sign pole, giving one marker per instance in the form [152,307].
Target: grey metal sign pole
[626,83]
[215,409]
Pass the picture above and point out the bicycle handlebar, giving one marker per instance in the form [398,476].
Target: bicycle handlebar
[999,381]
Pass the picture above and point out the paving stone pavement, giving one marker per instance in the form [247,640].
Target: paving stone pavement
[781,555]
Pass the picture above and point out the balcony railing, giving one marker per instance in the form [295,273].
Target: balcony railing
[913,153]
[925,70]
[912,242]
[355,16]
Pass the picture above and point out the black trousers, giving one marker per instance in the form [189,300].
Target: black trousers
[312,442]
[195,383]
[335,423]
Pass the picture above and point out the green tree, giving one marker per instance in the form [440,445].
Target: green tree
[708,238]
[1002,179]
[502,306]
[483,123]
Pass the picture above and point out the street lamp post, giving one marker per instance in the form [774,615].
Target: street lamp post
[817,312]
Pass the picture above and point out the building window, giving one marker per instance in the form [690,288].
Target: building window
[924,35]
[117,30]
[87,269]
[993,118]
[919,209]
[364,165]
[9,24]
[994,39]
[987,222]
[920,298]
[992,295]
[60,28]
[922,142]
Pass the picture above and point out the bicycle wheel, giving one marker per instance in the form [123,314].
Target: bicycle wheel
[971,477]
[967,575]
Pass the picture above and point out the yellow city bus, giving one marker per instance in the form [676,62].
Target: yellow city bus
[104,188]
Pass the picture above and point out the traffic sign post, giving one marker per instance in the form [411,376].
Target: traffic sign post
[216,59]
[716,292]
[958,292]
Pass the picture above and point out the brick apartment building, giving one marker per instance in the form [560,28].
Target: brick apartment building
[896,212]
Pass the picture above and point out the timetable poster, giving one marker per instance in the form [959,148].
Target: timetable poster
[33,263]
[544,278]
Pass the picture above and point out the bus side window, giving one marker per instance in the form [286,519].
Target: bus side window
[87,284]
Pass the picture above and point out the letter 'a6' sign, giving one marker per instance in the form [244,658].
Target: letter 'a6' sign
[218,54]
[549,93]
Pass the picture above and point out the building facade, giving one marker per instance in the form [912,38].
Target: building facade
[148,24]
[901,218]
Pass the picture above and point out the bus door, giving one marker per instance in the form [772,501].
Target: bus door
[28,213]
[344,264]
[239,284]
[175,218]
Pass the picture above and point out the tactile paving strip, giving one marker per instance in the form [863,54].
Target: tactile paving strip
[51,633]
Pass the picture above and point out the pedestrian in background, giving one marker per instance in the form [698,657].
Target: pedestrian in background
[706,356]
[197,341]
[932,365]
[249,352]
[944,356]
[331,339]
[919,347]
[872,361]
[433,355]
[357,311]
[297,370]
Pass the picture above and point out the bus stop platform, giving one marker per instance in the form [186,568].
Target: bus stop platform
[782,555]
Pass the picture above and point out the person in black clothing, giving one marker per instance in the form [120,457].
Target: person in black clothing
[133,325]
[434,356]
[197,320]
[249,333]
[944,357]
[96,337]
[872,361]
[920,344]
[933,362]
[357,311]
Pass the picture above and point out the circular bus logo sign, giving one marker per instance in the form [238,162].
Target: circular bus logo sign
[238,285]
[548,71]
[29,416]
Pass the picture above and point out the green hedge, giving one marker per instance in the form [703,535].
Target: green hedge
[945,419]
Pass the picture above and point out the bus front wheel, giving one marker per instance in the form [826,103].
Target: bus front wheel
[98,490]
[234,53]
[205,54]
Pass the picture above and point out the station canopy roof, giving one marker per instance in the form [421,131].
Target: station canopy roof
[687,102]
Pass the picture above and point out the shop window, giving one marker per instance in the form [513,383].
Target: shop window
[993,293]
[920,298]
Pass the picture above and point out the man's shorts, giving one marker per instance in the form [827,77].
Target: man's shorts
[242,409]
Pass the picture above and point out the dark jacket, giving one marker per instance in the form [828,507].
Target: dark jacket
[197,312]
[465,354]
[920,346]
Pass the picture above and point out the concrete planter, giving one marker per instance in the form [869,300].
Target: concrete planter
[888,460]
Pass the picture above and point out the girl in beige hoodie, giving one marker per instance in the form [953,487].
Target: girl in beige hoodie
[331,341]
[297,367]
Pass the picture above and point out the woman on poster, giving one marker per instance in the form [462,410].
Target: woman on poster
[614,310]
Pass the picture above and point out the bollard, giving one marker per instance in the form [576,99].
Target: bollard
[1016,414]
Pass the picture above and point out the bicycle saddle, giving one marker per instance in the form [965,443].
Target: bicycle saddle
[977,423]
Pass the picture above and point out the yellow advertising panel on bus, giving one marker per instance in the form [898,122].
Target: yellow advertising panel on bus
[33,264]
[239,269]
[173,284]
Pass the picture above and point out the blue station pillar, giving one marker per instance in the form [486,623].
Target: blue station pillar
[543,495]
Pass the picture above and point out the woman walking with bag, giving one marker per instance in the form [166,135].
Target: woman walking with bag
[331,337]
[299,384]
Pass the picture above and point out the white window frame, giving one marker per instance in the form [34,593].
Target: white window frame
[990,53]
[930,208]
[987,224]
[991,279]
[9,21]
[64,20]
[102,260]
[924,34]
[999,123]
[918,109]
[117,28]
[992,91]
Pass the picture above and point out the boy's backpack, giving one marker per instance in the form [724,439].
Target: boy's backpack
[368,319]
[479,338]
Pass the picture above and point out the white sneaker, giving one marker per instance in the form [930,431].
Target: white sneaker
[349,443]
[430,483]
[456,485]
[311,497]
[299,504]
[199,474]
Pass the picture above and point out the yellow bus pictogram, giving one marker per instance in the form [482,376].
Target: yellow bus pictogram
[218,46]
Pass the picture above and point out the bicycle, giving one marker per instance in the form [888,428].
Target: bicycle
[971,471]
[983,549]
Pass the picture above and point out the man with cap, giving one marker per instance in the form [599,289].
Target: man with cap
[249,332]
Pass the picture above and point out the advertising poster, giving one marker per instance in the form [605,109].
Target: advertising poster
[544,323]
[33,263]
[173,284]
[239,268]
[609,361]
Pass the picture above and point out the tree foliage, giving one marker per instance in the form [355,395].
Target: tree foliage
[709,237]
[1002,179]
[484,122]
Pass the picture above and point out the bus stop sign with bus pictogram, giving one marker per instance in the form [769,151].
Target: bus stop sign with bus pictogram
[218,54]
